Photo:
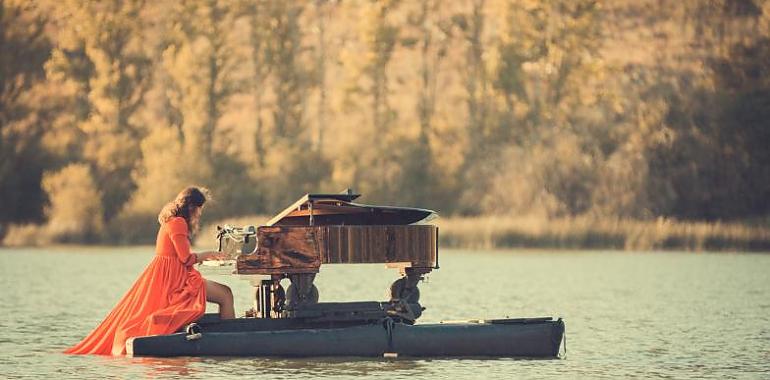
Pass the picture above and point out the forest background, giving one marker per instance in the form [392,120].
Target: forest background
[638,124]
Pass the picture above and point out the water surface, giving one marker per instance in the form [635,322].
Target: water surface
[628,315]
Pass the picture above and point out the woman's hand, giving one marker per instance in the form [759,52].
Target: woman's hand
[211,255]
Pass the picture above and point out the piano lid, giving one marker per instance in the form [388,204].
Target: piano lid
[338,209]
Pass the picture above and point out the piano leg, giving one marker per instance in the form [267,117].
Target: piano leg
[405,288]
[302,291]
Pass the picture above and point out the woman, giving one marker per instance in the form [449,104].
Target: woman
[170,293]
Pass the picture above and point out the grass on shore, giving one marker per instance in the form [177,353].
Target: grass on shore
[490,232]
[602,233]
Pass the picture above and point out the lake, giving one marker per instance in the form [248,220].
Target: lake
[628,315]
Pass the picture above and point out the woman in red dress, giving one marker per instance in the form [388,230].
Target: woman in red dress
[170,293]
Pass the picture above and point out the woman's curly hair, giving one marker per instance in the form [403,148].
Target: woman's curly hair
[183,204]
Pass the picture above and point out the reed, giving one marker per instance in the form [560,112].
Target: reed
[488,232]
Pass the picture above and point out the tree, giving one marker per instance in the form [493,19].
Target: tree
[322,9]
[201,61]
[75,212]
[259,34]
[418,184]
[474,171]
[295,167]
[548,55]
[290,79]
[374,156]
[110,35]
[24,48]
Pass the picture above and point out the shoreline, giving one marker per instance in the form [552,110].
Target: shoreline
[500,233]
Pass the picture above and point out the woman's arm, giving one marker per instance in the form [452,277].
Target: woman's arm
[208,255]
[178,233]
[179,237]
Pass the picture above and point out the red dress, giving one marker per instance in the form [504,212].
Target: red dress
[169,294]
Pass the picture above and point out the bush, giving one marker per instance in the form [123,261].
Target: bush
[75,210]
[26,235]
[133,228]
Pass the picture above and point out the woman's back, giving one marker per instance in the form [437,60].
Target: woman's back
[169,294]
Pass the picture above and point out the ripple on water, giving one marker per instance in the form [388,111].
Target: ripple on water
[627,315]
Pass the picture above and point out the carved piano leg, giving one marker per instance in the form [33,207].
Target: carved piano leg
[405,288]
[302,291]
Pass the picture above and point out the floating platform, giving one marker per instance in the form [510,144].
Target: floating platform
[258,337]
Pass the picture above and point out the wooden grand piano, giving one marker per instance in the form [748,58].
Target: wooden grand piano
[330,229]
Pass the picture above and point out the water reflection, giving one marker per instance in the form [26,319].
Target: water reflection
[338,366]
[194,367]
[627,315]
[165,367]
[311,367]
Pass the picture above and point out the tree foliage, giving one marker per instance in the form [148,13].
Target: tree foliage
[631,109]
[24,48]
[75,211]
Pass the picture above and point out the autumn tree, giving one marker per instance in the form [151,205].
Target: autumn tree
[562,108]
[200,59]
[24,47]
[259,34]
[372,158]
[109,34]
[475,171]
[430,34]
[322,9]
[75,210]
[548,56]
[294,166]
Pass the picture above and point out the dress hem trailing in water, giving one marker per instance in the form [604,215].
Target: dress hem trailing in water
[169,294]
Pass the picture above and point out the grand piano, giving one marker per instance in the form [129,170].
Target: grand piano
[321,229]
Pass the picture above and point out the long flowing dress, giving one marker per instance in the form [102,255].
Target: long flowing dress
[169,294]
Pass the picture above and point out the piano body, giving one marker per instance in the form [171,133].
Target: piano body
[330,229]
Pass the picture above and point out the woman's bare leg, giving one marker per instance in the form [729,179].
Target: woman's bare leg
[221,295]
